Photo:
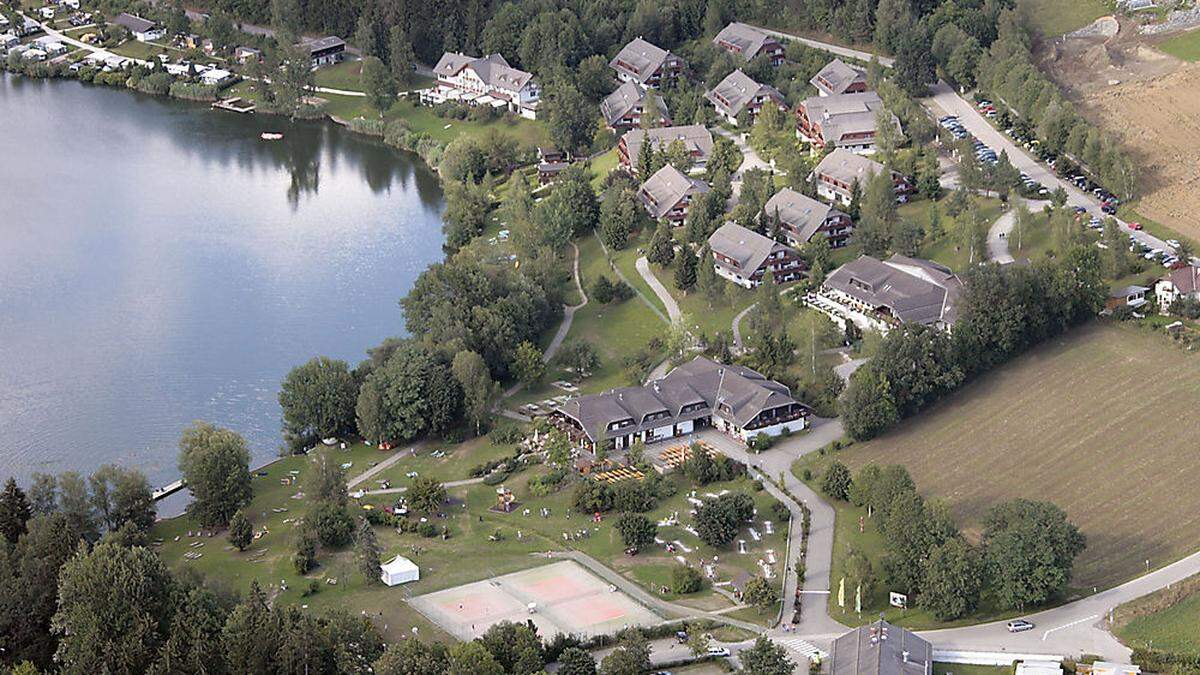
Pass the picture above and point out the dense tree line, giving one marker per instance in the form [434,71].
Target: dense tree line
[1003,312]
[1025,558]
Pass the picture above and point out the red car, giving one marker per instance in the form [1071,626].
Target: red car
[1135,226]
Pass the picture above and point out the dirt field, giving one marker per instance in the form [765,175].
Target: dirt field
[1151,102]
[1104,424]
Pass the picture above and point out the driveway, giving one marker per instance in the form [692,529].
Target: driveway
[777,464]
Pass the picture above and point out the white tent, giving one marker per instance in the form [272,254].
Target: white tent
[400,570]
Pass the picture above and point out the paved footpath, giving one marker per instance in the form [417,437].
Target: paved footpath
[643,268]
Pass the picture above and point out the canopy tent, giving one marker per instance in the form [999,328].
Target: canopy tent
[400,570]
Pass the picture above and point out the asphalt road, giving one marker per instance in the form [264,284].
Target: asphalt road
[945,101]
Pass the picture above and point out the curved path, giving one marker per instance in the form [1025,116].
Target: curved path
[998,234]
[643,268]
[737,320]
[563,328]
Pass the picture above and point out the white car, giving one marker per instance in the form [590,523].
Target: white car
[1019,626]
[718,651]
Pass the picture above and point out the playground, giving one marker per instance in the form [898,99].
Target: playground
[561,597]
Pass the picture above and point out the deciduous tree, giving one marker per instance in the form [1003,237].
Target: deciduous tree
[216,468]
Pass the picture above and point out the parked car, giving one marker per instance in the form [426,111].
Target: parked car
[1134,226]
[1109,209]
[1020,625]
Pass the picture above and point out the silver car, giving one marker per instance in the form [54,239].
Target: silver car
[1019,626]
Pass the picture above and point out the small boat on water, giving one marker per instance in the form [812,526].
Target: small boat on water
[271,136]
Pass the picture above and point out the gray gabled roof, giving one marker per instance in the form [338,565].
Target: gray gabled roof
[1186,279]
[627,97]
[695,137]
[705,387]
[749,248]
[135,24]
[662,191]
[640,59]
[803,214]
[747,39]
[914,290]
[880,649]
[492,69]
[327,42]
[738,89]
[848,167]
[844,114]
[836,77]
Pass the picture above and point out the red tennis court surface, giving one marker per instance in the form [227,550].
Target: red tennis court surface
[566,598]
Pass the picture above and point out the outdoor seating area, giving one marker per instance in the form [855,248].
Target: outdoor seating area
[672,458]
[617,475]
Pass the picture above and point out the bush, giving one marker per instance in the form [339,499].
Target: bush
[506,434]
[495,478]
[837,481]
[592,496]
[781,511]
[632,496]
[685,579]
[427,530]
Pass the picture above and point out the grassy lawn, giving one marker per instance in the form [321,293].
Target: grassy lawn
[602,166]
[1055,17]
[136,49]
[707,315]
[455,465]
[1088,422]
[344,75]
[1184,46]
[1164,620]
[947,249]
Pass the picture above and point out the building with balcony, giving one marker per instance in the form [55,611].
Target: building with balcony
[746,42]
[739,92]
[744,257]
[623,109]
[696,395]
[646,64]
[881,294]
[837,174]
[696,139]
[801,218]
[838,78]
[484,81]
[669,193]
[848,121]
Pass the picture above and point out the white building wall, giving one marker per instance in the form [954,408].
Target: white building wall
[773,430]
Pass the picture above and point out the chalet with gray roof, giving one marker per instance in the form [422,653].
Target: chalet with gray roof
[486,81]
[669,193]
[143,30]
[880,648]
[325,51]
[696,395]
[744,257]
[1182,282]
[695,138]
[623,109]
[838,78]
[847,121]
[836,175]
[801,218]
[880,294]
[738,92]
[746,42]
[646,64]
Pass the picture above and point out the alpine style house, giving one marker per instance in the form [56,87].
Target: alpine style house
[696,395]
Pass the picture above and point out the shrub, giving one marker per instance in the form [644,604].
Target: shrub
[686,579]
[495,478]
[427,530]
[781,511]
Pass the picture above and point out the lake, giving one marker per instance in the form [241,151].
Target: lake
[160,263]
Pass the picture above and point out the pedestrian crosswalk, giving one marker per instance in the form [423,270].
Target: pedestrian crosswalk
[803,648]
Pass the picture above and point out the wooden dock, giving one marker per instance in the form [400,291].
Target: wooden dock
[236,104]
[167,490]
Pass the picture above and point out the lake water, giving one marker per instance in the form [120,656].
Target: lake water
[160,263]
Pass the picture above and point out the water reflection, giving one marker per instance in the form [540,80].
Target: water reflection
[164,263]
